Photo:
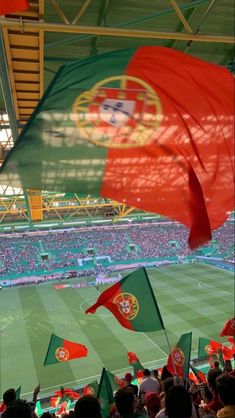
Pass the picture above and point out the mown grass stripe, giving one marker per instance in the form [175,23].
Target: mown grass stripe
[39,328]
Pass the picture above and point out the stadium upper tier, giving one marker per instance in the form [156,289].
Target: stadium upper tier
[30,253]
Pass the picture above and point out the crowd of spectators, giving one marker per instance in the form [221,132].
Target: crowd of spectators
[23,253]
[164,396]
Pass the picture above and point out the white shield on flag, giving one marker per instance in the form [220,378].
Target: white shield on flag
[125,306]
[116,112]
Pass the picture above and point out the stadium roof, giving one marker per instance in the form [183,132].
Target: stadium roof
[36,42]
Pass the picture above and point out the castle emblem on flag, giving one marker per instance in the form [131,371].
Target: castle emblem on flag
[90,390]
[209,349]
[62,354]
[127,305]
[123,116]
[178,356]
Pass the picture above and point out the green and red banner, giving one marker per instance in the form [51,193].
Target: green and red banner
[132,302]
[13,6]
[208,347]
[179,359]
[201,377]
[137,366]
[143,126]
[61,350]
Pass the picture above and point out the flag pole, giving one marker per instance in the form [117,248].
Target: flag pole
[160,318]
[41,374]
[169,346]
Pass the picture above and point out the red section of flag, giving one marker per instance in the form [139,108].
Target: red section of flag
[10,6]
[2,408]
[75,350]
[185,168]
[227,352]
[214,346]
[106,300]
[228,328]
[132,357]
[192,377]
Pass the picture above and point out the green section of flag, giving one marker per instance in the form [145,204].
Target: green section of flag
[105,394]
[62,159]
[38,409]
[184,344]
[55,342]
[18,391]
[113,380]
[147,314]
[221,358]
[202,343]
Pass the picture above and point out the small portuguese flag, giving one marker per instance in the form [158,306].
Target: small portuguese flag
[135,363]
[60,350]
[151,127]
[201,377]
[132,302]
[180,355]
[91,388]
[208,347]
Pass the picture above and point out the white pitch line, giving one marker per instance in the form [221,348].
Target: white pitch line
[214,287]
[166,354]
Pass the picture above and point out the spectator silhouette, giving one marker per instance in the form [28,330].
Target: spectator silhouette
[87,407]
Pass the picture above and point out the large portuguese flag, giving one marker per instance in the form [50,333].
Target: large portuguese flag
[60,350]
[151,127]
[132,302]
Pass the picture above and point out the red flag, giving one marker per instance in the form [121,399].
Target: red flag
[11,6]
[228,328]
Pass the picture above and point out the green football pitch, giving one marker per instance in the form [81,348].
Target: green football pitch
[191,297]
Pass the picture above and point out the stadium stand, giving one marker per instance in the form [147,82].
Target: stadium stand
[30,253]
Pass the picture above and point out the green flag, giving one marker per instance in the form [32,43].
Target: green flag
[180,355]
[18,391]
[115,381]
[132,302]
[91,388]
[105,394]
[38,409]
